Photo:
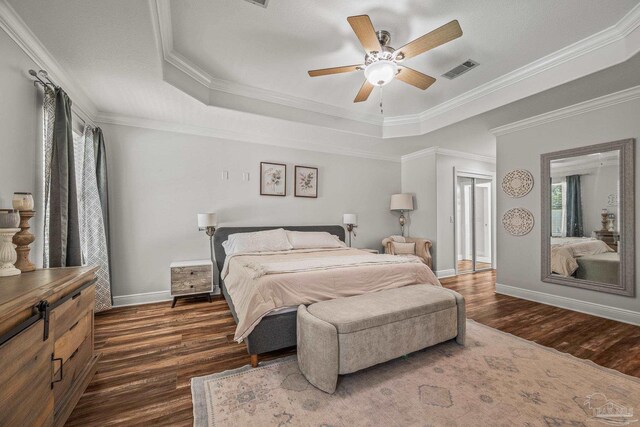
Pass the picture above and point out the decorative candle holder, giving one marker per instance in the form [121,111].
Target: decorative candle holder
[23,239]
[7,252]
[22,201]
[605,219]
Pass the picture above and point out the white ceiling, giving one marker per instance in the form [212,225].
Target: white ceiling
[273,48]
[239,71]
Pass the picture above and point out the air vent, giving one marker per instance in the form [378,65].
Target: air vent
[262,3]
[461,69]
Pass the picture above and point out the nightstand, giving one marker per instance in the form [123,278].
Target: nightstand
[189,278]
[611,238]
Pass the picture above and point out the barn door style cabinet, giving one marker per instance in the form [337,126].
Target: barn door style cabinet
[46,344]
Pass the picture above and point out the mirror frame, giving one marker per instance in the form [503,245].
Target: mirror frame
[626,211]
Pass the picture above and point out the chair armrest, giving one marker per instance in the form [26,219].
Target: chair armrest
[423,249]
[388,246]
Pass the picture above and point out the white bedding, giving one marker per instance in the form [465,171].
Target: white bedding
[565,250]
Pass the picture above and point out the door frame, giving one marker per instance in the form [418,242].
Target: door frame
[465,173]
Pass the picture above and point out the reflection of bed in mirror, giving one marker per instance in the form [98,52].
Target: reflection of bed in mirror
[585,258]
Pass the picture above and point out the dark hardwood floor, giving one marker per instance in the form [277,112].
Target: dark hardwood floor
[150,352]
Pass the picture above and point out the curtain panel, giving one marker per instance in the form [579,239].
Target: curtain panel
[93,237]
[76,206]
[574,207]
[62,246]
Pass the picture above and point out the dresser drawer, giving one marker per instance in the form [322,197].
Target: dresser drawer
[191,280]
[70,341]
[68,313]
[72,369]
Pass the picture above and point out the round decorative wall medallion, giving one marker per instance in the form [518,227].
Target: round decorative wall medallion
[518,221]
[517,183]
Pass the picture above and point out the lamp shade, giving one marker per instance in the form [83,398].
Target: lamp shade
[350,219]
[207,220]
[401,202]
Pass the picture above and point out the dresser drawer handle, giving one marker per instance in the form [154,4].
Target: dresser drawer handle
[74,325]
[76,295]
[54,360]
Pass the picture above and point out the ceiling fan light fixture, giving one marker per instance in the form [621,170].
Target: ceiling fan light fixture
[381,72]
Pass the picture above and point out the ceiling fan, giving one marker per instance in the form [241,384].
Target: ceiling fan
[382,62]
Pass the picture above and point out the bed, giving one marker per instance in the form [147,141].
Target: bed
[585,258]
[270,326]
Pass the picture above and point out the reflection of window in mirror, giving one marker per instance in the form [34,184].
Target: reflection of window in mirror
[558,208]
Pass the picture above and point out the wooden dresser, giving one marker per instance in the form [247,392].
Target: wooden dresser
[46,344]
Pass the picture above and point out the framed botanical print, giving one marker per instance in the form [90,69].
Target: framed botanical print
[306,182]
[273,179]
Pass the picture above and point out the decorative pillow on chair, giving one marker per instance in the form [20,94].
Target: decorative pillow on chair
[404,248]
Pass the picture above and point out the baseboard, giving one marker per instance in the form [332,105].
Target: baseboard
[608,312]
[445,273]
[144,298]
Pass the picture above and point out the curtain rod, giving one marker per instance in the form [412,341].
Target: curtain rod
[40,75]
[42,78]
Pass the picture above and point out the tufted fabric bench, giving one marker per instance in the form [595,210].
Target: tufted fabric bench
[346,335]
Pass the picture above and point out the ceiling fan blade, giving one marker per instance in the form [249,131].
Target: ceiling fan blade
[414,78]
[435,38]
[364,92]
[363,28]
[335,70]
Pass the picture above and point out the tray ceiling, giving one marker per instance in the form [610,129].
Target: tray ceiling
[162,59]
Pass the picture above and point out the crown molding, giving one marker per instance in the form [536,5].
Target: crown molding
[435,117]
[226,134]
[447,152]
[617,32]
[570,111]
[163,14]
[21,34]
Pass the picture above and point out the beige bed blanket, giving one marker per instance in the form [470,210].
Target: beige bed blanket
[254,298]
[261,268]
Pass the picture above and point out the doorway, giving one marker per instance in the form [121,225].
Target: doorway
[474,222]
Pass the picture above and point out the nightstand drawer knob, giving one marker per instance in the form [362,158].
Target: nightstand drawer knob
[191,273]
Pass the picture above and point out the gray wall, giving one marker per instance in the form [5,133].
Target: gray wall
[519,257]
[159,181]
[419,179]
[19,132]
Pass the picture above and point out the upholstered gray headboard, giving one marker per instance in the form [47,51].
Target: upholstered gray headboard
[222,234]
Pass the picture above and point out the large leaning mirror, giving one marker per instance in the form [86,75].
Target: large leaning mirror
[588,217]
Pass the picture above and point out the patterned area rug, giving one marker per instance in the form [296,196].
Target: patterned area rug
[496,380]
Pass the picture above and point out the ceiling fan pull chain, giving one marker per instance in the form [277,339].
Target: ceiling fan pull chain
[381,109]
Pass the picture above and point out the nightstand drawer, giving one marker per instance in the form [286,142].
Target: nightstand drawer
[191,280]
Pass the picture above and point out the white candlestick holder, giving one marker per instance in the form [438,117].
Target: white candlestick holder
[8,255]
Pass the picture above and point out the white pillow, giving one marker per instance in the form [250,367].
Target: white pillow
[313,240]
[257,241]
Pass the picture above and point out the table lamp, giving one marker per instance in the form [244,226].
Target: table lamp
[401,202]
[351,221]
